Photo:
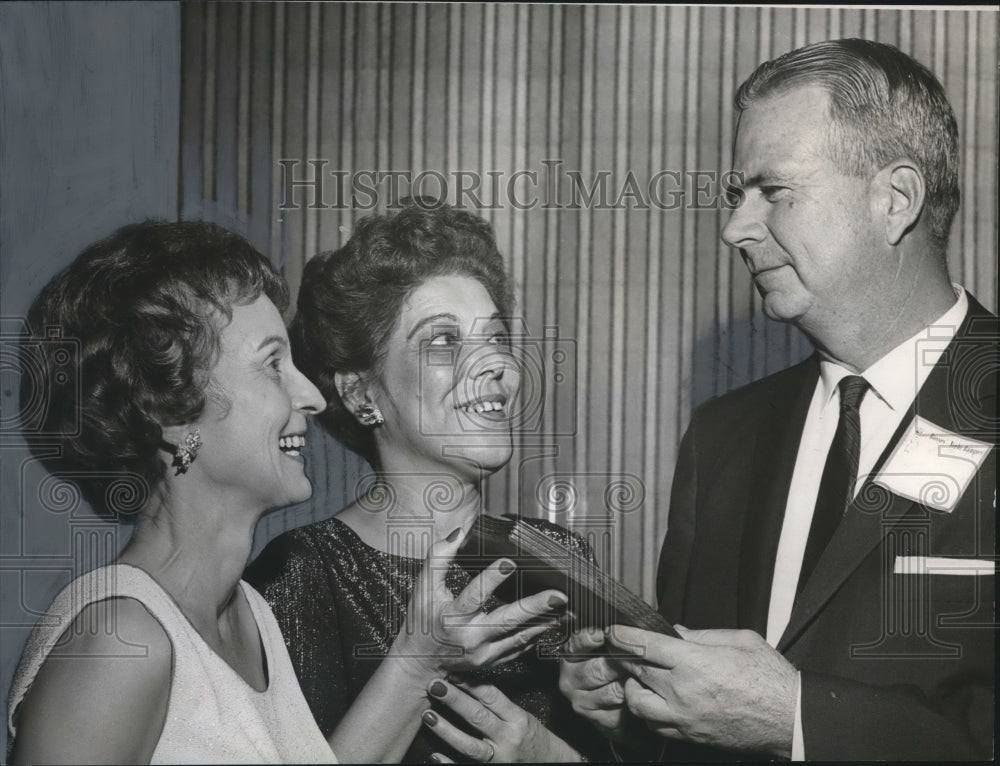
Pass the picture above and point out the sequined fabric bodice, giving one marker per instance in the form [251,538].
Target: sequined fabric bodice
[340,604]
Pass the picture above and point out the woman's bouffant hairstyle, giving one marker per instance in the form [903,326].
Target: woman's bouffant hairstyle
[351,298]
[140,315]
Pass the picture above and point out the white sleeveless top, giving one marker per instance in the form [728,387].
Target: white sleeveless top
[213,715]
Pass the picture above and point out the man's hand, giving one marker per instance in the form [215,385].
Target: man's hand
[725,688]
[594,685]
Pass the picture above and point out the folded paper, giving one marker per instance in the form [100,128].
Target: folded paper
[932,466]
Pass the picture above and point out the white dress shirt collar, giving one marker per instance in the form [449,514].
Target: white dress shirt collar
[897,377]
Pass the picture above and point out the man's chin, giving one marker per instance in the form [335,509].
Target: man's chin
[782,307]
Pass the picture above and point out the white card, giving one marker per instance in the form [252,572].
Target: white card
[932,466]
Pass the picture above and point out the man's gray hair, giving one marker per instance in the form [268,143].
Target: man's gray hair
[884,106]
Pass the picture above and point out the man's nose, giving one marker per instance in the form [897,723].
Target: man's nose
[745,226]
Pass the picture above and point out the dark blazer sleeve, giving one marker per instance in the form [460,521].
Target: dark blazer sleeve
[844,720]
[675,556]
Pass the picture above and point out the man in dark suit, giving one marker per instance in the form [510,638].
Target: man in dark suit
[832,527]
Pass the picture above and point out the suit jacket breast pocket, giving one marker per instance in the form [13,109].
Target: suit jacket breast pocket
[951,601]
[952,590]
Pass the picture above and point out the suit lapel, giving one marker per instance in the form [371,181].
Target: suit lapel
[773,463]
[875,510]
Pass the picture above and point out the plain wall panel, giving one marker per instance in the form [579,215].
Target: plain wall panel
[89,136]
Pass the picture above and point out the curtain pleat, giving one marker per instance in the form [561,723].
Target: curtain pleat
[634,304]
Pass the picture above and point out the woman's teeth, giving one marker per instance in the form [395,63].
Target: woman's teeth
[291,445]
[483,407]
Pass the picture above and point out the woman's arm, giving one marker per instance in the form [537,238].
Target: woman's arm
[94,700]
[383,720]
[442,633]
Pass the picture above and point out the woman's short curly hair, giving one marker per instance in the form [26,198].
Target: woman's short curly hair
[351,298]
[144,309]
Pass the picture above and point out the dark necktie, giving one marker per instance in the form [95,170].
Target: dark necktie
[836,488]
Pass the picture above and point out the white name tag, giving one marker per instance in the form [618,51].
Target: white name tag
[932,466]
[941,565]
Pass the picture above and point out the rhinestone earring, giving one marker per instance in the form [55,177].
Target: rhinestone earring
[186,453]
[369,415]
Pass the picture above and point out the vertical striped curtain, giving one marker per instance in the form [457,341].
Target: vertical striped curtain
[623,116]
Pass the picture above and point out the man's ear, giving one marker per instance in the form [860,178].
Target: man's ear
[352,388]
[903,193]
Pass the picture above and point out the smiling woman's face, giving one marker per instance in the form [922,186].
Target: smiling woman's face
[447,382]
[253,433]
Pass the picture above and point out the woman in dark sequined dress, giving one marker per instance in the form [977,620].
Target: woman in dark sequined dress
[181,405]
[405,331]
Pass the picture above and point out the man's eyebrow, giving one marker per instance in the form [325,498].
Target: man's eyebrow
[764,177]
[427,320]
[272,339]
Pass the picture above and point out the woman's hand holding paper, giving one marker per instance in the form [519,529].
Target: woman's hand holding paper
[445,633]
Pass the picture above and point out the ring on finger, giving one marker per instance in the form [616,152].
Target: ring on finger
[493,752]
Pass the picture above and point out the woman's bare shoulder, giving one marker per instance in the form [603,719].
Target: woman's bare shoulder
[102,693]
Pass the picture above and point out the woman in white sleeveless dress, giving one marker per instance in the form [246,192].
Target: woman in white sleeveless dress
[185,383]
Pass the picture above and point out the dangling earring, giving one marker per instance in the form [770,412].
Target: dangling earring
[369,415]
[186,453]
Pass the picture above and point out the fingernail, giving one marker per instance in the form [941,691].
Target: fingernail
[435,758]
[453,535]
[506,567]
[430,718]
[556,601]
[438,689]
